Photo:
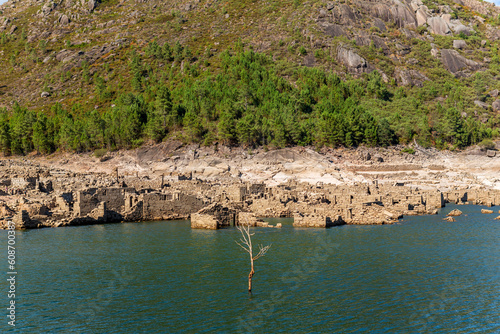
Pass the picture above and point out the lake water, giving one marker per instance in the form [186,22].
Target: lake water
[422,275]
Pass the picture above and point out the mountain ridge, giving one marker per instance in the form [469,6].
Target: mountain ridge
[80,55]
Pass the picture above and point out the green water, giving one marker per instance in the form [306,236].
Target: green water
[420,276]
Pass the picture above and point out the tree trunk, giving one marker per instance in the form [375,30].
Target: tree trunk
[250,275]
[250,280]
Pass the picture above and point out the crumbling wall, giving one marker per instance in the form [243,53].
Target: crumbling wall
[204,221]
[89,199]
[158,205]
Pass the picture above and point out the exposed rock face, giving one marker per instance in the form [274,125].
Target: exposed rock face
[335,30]
[438,26]
[64,20]
[421,17]
[397,13]
[409,77]
[351,59]
[455,62]
[403,17]
[455,213]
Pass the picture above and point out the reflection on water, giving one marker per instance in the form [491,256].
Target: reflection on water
[422,275]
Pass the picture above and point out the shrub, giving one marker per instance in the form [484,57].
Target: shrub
[487,144]
[408,150]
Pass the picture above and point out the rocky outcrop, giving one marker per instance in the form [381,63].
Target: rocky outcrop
[349,58]
[455,62]
[397,13]
[410,78]
[335,30]
[438,26]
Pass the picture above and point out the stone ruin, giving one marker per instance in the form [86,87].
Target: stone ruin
[62,199]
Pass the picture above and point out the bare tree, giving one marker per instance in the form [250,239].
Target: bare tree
[246,243]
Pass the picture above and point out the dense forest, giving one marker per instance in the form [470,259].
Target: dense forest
[247,99]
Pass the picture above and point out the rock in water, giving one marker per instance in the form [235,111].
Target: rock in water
[486,211]
[455,213]
[449,219]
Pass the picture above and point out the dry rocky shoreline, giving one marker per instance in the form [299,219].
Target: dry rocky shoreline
[223,186]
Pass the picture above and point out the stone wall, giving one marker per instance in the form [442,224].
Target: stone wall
[248,218]
[317,221]
[89,199]
[23,182]
[158,205]
[204,221]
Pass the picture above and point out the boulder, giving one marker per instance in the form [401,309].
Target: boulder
[481,104]
[45,94]
[449,219]
[379,24]
[497,218]
[455,62]
[460,28]
[454,213]
[347,15]
[491,153]
[403,17]
[92,4]
[486,211]
[405,77]
[351,59]
[459,44]
[64,20]
[496,105]
[421,17]
[438,26]
[335,30]
[309,60]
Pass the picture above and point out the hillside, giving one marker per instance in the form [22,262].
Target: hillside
[87,75]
